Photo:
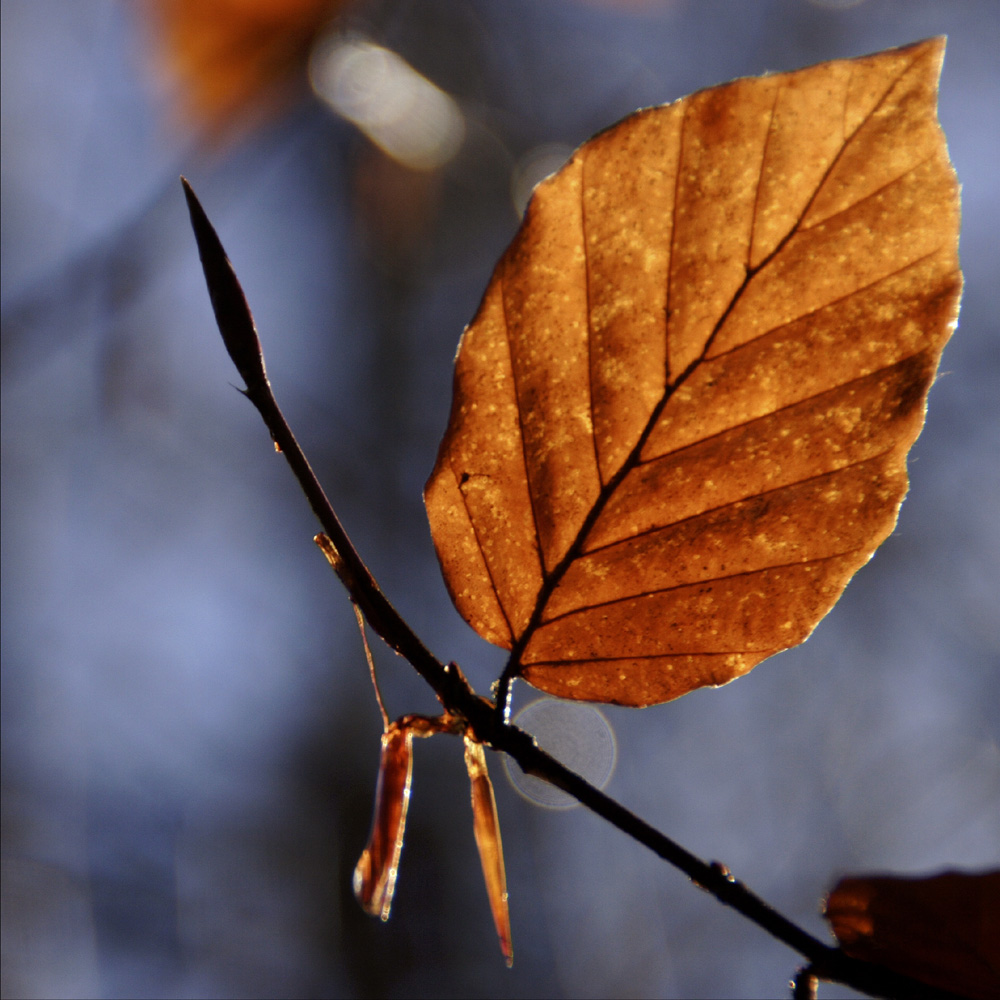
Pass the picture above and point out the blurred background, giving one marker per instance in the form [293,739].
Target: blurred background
[190,740]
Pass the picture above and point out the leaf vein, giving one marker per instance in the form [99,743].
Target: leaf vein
[647,656]
[671,255]
[590,324]
[826,305]
[520,424]
[780,409]
[760,176]
[482,552]
[871,194]
[797,225]
[732,503]
[697,583]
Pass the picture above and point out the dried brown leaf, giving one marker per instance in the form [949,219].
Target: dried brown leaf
[377,868]
[682,411]
[486,827]
[943,929]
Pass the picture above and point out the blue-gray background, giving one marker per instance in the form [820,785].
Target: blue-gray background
[189,737]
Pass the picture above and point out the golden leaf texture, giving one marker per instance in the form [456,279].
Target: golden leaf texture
[943,929]
[682,411]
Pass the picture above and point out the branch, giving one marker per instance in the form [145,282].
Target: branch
[454,692]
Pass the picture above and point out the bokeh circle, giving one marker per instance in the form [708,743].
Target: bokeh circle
[575,733]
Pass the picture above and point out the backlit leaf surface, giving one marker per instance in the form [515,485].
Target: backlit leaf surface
[681,414]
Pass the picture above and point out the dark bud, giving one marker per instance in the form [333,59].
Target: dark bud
[228,301]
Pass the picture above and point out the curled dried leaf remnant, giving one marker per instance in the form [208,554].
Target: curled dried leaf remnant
[943,929]
[682,412]
[486,827]
[377,868]
[375,873]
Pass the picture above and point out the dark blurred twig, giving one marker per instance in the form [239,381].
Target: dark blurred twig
[240,336]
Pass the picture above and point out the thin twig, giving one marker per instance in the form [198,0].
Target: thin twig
[453,690]
[371,663]
[333,558]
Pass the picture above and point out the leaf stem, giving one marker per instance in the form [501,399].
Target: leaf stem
[454,692]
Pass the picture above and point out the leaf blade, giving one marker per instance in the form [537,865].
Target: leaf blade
[638,403]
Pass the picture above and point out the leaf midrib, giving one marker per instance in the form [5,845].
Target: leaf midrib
[551,580]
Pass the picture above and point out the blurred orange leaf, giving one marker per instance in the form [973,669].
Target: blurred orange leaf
[229,60]
[681,414]
[943,929]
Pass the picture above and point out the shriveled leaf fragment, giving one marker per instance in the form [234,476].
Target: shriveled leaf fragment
[943,929]
[378,866]
[681,414]
[486,827]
